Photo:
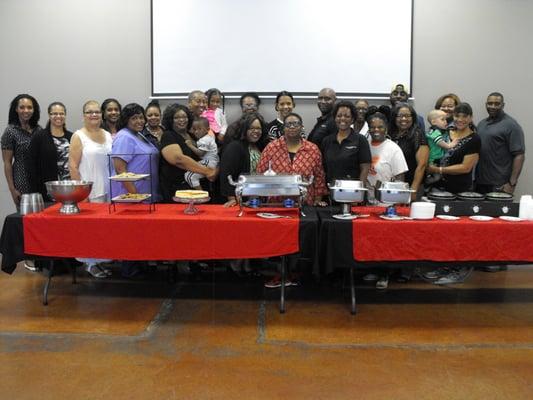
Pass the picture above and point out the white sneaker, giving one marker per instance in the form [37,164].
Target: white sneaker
[383,282]
[30,266]
[95,271]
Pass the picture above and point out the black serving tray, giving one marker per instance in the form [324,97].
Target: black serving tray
[472,207]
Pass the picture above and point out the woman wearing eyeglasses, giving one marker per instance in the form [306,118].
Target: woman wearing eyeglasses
[292,154]
[49,151]
[89,149]
[89,161]
[406,133]
[241,156]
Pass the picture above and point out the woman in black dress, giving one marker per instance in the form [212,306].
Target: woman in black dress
[176,157]
[458,163]
[49,151]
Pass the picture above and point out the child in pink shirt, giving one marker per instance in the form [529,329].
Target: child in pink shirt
[215,113]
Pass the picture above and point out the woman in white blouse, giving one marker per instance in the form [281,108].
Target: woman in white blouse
[89,161]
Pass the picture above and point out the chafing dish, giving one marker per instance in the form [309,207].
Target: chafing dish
[394,193]
[282,185]
[347,192]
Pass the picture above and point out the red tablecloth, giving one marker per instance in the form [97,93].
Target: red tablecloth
[132,233]
[375,239]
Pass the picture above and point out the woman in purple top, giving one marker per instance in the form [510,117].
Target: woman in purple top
[133,152]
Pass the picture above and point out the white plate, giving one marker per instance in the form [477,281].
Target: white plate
[447,217]
[345,216]
[271,215]
[394,218]
[480,218]
[119,199]
[511,219]
[136,177]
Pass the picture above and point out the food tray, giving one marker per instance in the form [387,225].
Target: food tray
[131,178]
[120,199]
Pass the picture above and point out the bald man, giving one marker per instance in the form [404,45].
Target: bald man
[325,124]
[197,102]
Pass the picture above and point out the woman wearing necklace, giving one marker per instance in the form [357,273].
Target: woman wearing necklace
[241,155]
[292,154]
[133,152]
[153,129]
[49,151]
[459,161]
[89,147]
[406,133]
[24,113]
[89,161]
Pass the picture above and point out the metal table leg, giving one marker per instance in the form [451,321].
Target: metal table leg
[74,272]
[352,289]
[283,280]
[47,284]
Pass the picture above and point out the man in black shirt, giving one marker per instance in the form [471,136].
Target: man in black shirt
[325,124]
[502,149]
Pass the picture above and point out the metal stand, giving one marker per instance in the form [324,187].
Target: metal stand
[73,267]
[352,291]
[283,280]
[47,284]
[151,204]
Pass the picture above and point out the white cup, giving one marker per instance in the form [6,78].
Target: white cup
[524,207]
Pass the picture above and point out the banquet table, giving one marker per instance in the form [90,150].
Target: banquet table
[135,233]
[373,241]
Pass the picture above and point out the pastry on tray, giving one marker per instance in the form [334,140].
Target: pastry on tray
[191,194]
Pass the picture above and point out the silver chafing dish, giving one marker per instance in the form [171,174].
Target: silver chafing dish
[347,192]
[394,193]
[282,185]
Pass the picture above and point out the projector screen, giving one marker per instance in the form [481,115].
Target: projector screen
[357,47]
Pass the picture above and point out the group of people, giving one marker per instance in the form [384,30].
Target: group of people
[193,146]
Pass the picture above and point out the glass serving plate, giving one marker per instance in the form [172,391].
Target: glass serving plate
[191,209]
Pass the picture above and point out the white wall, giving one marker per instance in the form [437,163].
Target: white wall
[72,50]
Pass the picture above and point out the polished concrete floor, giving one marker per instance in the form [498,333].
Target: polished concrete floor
[119,339]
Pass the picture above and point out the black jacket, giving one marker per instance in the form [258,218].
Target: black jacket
[41,163]
[235,161]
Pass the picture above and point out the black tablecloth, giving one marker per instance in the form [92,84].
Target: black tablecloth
[12,242]
[335,241]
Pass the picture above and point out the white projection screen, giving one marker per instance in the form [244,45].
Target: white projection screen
[357,47]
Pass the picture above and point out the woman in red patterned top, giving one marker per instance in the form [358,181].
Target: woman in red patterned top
[292,154]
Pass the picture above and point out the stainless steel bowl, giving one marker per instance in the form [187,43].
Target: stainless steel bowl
[69,194]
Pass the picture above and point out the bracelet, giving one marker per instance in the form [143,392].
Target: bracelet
[510,184]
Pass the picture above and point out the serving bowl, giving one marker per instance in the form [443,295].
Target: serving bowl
[69,193]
